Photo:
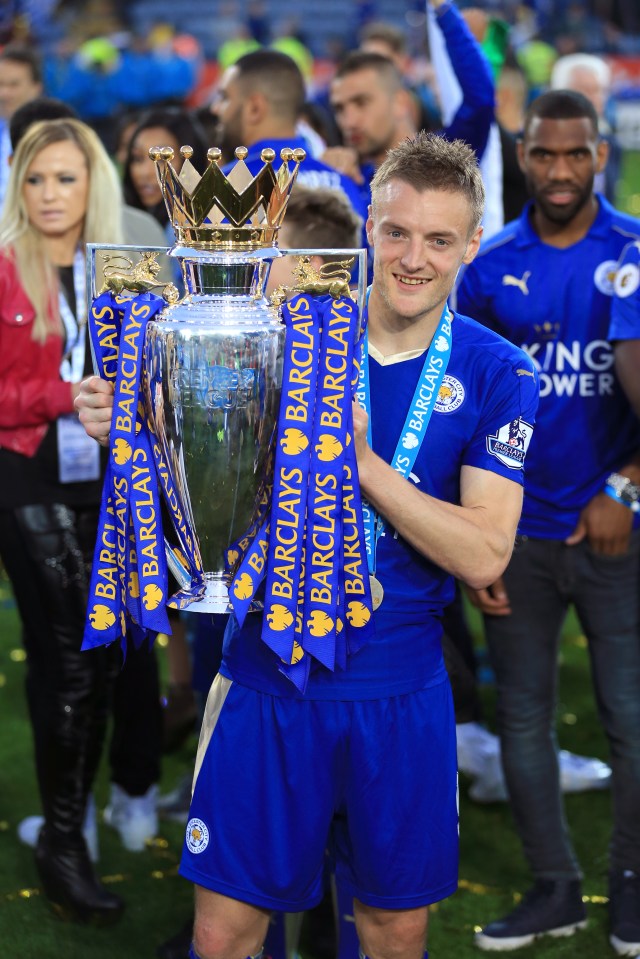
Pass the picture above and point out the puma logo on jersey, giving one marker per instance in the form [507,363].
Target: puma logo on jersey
[509,280]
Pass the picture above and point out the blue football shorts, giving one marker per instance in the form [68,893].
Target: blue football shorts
[279,781]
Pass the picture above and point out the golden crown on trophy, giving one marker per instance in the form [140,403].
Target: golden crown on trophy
[218,212]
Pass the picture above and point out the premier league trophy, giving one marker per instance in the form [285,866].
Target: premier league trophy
[239,411]
[212,362]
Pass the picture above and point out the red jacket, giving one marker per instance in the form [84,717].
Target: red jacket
[32,395]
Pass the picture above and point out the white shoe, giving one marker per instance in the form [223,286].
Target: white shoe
[579,773]
[479,757]
[29,829]
[490,787]
[476,747]
[134,817]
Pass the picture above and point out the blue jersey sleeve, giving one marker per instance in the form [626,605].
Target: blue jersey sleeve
[625,305]
[505,426]
[475,115]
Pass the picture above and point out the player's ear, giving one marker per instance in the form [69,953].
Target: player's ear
[369,226]
[473,245]
[602,155]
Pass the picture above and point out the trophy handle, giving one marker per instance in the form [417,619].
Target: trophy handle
[332,278]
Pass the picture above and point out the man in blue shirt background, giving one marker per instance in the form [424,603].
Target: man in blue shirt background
[259,102]
[373,108]
[546,283]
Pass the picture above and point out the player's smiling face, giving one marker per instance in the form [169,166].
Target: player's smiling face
[419,238]
[559,159]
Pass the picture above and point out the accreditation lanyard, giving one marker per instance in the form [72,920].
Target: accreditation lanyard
[417,420]
[72,365]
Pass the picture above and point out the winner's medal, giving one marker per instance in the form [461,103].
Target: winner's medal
[377,591]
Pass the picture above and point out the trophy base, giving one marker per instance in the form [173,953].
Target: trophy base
[213,598]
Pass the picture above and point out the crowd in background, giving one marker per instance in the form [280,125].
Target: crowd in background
[107,58]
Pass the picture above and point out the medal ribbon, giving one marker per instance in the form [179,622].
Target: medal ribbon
[72,366]
[416,422]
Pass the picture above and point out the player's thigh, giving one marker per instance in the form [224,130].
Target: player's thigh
[264,796]
[397,840]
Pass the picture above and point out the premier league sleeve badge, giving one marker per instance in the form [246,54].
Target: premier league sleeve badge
[510,443]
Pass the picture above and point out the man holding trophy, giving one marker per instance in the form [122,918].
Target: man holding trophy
[361,757]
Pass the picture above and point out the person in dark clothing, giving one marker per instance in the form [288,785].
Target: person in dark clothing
[63,192]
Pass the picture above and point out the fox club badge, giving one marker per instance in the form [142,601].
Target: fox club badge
[197,836]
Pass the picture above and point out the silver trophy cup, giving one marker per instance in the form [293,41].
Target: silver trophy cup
[212,379]
[213,360]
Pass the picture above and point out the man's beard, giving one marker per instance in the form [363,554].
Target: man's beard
[562,214]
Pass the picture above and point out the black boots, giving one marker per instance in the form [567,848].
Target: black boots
[68,695]
[70,884]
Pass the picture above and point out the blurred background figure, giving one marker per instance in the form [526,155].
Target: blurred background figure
[63,192]
[20,81]
[511,102]
[259,102]
[139,227]
[172,127]
[391,41]
[591,76]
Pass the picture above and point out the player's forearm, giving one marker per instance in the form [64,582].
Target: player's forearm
[459,539]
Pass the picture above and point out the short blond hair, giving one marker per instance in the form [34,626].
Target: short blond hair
[430,162]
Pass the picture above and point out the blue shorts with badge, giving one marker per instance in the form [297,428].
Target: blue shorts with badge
[279,780]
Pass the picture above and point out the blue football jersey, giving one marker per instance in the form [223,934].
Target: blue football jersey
[625,307]
[484,418]
[556,304]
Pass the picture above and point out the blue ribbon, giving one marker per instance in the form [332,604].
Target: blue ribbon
[128,588]
[290,478]
[317,602]
[188,554]
[324,513]
[416,422]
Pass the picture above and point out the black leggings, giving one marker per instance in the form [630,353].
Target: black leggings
[47,551]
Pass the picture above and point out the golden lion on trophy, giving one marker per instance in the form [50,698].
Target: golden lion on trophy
[332,278]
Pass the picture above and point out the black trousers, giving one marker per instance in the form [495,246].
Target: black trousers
[47,552]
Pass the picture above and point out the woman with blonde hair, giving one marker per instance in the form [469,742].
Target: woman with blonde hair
[63,192]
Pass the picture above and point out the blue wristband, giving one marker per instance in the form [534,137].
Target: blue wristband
[634,506]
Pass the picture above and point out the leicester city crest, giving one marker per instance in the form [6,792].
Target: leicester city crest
[450,395]
[197,836]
